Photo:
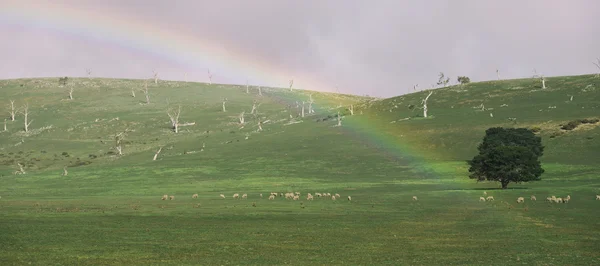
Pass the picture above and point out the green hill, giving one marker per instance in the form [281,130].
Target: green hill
[108,209]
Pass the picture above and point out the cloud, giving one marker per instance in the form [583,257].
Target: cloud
[379,48]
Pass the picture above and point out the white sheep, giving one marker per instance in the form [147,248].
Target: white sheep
[553,198]
[296,197]
[568,197]
[414,198]
[349,198]
[195,196]
[164,197]
[236,195]
[549,199]
[490,198]
[597,197]
[533,198]
[318,194]
[309,197]
[171,197]
[485,193]
[559,200]
[245,196]
[337,195]
[332,197]
[566,200]
[261,195]
[222,196]
[481,199]
[520,200]
[272,197]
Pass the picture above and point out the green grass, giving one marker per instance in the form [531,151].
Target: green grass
[109,211]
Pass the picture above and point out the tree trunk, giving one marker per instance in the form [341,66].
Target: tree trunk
[504,184]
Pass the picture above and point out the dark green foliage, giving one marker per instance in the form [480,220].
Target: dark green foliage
[63,81]
[463,80]
[508,155]
[575,123]
[536,129]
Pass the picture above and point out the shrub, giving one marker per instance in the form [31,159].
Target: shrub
[536,129]
[575,123]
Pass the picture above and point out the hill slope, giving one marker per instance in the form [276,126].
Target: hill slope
[108,210]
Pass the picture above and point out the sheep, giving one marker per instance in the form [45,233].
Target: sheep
[296,197]
[337,195]
[195,196]
[520,200]
[171,197]
[349,198]
[566,200]
[481,199]
[559,200]
[261,195]
[549,199]
[318,194]
[597,197]
[164,197]
[297,193]
[236,195]
[272,197]
[533,198]
[222,196]
[289,195]
[309,197]
[568,197]
[245,196]
[414,198]
[490,198]
[328,195]
[485,193]
[553,198]
[332,197]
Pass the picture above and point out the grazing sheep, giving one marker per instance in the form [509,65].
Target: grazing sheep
[195,196]
[533,198]
[485,193]
[549,199]
[333,198]
[414,198]
[296,197]
[222,196]
[337,195]
[481,199]
[328,195]
[164,197]
[568,197]
[553,198]
[597,197]
[520,200]
[171,197]
[559,200]
[309,197]
[261,195]
[297,193]
[490,198]
[349,198]
[318,194]
[245,196]
[236,195]
[272,197]
[566,200]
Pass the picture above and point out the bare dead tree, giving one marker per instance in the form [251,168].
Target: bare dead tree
[71,88]
[310,104]
[118,141]
[241,118]
[259,126]
[253,108]
[351,109]
[132,93]
[425,104]
[4,124]
[209,77]
[65,172]
[156,154]
[21,170]
[247,87]
[498,73]
[25,112]
[88,71]
[339,119]
[155,76]
[259,91]
[597,64]
[224,101]
[174,116]
[543,79]
[570,100]
[302,114]
[12,110]
[337,89]
[291,84]
[185,77]
[146,92]
[415,87]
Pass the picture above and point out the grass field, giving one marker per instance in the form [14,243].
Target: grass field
[108,210]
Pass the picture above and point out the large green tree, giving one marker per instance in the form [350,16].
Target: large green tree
[508,155]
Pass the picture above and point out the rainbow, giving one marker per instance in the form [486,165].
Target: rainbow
[108,25]
[189,50]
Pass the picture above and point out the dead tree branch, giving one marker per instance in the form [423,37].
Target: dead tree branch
[146,92]
[247,87]
[156,154]
[12,110]
[88,71]
[291,84]
[4,124]
[71,88]
[224,101]
[241,118]
[65,172]
[209,77]
[155,76]
[174,116]
[259,91]
[351,109]
[25,112]
[425,104]
[597,64]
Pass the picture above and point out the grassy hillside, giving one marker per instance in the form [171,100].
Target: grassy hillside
[108,210]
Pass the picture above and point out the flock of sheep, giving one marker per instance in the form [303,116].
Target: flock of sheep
[533,198]
[273,195]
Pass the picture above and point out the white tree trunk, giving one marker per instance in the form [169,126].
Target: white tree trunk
[247,87]
[241,118]
[310,103]
[291,84]
[259,91]
[132,93]
[224,110]
[26,117]
[12,110]
[120,149]
[339,119]
[155,75]
[351,109]
[543,82]
[302,108]
[209,77]
[425,104]
[156,154]
[253,108]
[5,124]
[146,92]
[174,116]
[65,172]
[185,77]
[21,169]
[71,92]
[498,74]
[259,126]
[598,66]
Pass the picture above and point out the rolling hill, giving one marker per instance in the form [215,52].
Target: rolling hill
[108,208]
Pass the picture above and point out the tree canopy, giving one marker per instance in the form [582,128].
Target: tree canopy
[508,155]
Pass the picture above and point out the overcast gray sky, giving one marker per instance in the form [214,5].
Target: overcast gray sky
[379,47]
